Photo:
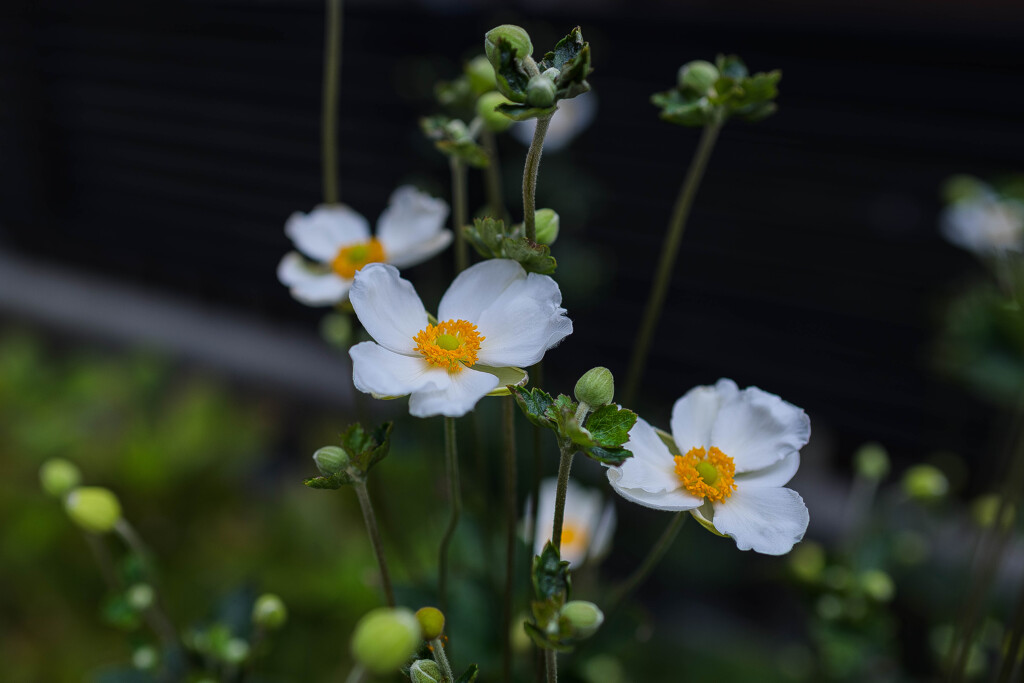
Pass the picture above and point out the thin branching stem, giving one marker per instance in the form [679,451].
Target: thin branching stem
[495,200]
[658,550]
[460,212]
[437,647]
[530,177]
[378,548]
[329,112]
[509,427]
[451,458]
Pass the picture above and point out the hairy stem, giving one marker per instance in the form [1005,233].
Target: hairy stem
[329,112]
[530,177]
[509,427]
[551,666]
[437,647]
[451,458]
[460,211]
[658,550]
[378,548]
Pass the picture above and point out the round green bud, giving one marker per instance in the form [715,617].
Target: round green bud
[145,657]
[140,596]
[58,476]
[235,651]
[584,616]
[431,621]
[425,671]
[516,36]
[521,642]
[331,460]
[385,639]
[551,74]
[807,561]
[481,75]
[872,461]
[93,508]
[925,483]
[547,223]
[487,110]
[878,585]
[596,387]
[540,92]
[698,76]
[269,611]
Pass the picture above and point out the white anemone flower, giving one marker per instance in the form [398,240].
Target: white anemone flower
[493,317]
[570,119]
[338,240]
[985,224]
[587,525]
[734,452]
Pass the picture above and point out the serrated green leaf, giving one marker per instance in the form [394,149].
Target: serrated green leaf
[486,235]
[731,66]
[534,403]
[378,447]
[510,74]
[566,49]
[522,112]
[550,574]
[609,425]
[470,675]
[452,138]
[533,257]
[608,456]
[561,409]
[333,482]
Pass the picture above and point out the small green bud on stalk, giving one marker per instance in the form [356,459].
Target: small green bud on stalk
[385,639]
[481,75]
[584,616]
[540,92]
[236,651]
[269,611]
[547,223]
[331,460]
[431,622]
[140,596]
[515,35]
[925,483]
[486,109]
[58,476]
[872,461]
[878,585]
[425,671]
[698,76]
[93,508]
[145,658]
[596,387]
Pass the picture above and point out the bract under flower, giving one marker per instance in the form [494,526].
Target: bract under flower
[338,240]
[494,316]
[734,451]
[587,527]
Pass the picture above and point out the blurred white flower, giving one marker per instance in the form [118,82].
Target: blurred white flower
[572,118]
[493,316]
[735,450]
[587,526]
[338,240]
[985,224]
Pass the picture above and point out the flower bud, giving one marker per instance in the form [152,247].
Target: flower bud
[872,461]
[93,508]
[925,483]
[518,37]
[425,671]
[547,223]
[235,651]
[596,387]
[269,611]
[487,110]
[331,460]
[385,639]
[540,92]
[58,476]
[584,616]
[145,657]
[807,561]
[431,622]
[698,76]
[878,585]
[140,596]
[481,75]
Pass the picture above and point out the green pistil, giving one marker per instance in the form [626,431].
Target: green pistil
[448,342]
[358,253]
[707,472]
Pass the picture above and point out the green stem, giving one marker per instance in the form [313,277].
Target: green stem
[537,377]
[495,201]
[669,251]
[101,553]
[623,590]
[460,211]
[455,495]
[568,450]
[378,548]
[509,427]
[551,666]
[329,113]
[530,177]
[437,647]
[154,615]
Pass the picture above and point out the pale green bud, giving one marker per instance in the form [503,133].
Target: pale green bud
[481,75]
[872,461]
[331,460]
[925,483]
[93,508]
[235,651]
[145,657]
[425,671]
[807,561]
[385,639]
[269,611]
[540,92]
[486,109]
[431,621]
[596,387]
[521,642]
[584,616]
[547,224]
[58,476]
[698,76]
[551,74]
[140,596]
[518,37]
[878,585]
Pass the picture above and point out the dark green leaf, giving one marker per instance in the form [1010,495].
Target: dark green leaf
[335,481]
[609,425]
[470,675]
[510,74]
[608,456]
[565,50]
[731,66]
[550,574]
[533,257]
[521,112]
[571,57]
[377,448]
[534,403]
[451,137]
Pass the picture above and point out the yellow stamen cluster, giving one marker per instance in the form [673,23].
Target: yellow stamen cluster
[353,257]
[706,474]
[451,344]
[573,536]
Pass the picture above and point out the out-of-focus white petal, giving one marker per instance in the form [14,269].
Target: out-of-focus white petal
[526,320]
[591,528]
[676,500]
[477,287]
[376,370]
[321,232]
[694,414]
[757,429]
[309,286]
[388,307]
[601,542]
[412,218]
[778,474]
[767,520]
[651,468]
[465,388]
[571,118]
[984,225]
[417,253]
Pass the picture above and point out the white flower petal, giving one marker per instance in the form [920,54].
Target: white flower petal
[526,320]
[601,540]
[778,474]
[309,286]
[388,307]
[570,119]
[694,414]
[376,370]
[767,520]
[417,253]
[477,287]
[411,218]
[583,514]
[651,468]
[321,232]
[675,501]
[464,389]
[757,429]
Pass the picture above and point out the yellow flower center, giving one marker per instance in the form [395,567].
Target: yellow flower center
[573,537]
[706,474]
[355,256]
[450,344]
